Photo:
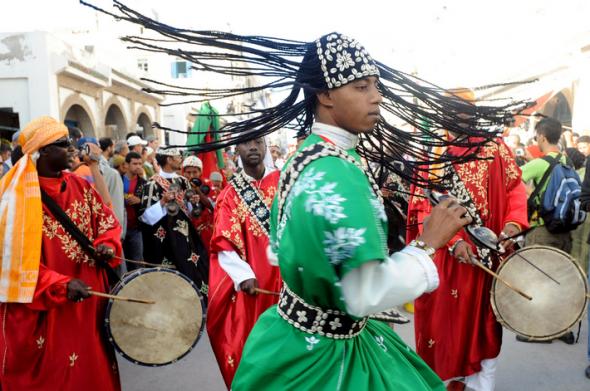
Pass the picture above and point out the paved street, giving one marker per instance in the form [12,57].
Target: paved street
[529,367]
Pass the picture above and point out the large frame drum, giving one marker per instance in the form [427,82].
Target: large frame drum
[155,334]
[556,306]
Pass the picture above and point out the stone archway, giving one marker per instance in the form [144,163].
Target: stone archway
[144,124]
[115,124]
[78,117]
[76,112]
[559,107]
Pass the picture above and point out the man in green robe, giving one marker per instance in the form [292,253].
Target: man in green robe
[328,227]
[329,230]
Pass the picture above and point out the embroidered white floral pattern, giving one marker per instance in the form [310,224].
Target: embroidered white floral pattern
[381,342]
[306,182]
[325,202]
[339,245]
[311,342]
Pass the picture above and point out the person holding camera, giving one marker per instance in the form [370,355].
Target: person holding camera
[168,234]
[86,164]
[202,208]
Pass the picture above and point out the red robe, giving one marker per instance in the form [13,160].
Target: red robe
[54,344]
[455,325]
[231,315]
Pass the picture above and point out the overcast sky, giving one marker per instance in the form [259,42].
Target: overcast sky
[460,42]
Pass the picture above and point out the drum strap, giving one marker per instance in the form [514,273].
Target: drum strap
[460,192]
[78,235]
[253,200]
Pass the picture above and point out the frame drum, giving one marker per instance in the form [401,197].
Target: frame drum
[556,306]
[155,334]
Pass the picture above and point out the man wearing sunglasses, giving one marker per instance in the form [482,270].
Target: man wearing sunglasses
[52,335]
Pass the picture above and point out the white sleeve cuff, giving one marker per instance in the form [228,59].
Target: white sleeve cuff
[430,270]
[378,286]
[238,270]
[153,214]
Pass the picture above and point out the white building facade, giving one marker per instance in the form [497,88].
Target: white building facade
[43,74]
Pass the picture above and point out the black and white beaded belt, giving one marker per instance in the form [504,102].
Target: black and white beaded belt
[315,320]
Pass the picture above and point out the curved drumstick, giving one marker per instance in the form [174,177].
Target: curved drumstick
[144,263]
[496,276]
[265,292]
[122,298]
[139,262]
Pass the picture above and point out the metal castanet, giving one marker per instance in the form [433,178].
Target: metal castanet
[161,333]
[544,317]
[482,237]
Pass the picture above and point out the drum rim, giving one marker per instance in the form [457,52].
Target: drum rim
[503,322]
[117,288]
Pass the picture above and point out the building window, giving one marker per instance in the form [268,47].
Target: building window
[142,64]
[181,69]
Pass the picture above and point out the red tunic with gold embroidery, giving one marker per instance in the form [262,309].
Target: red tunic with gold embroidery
[53,343]
[455,326]
[231,315]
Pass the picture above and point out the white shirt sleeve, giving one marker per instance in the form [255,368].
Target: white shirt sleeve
[153,214]
[378,286]
[238,270]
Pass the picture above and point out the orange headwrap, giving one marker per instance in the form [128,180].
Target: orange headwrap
[21,218]
[464,93]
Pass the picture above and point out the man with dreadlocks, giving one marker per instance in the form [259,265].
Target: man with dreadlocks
[328,228]
[457,333]
[319,336]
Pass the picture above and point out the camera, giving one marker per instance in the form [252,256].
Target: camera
[172,206]
[197,208]
[205,189]
[84,150]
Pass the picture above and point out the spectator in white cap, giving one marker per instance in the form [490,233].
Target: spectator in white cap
[136,144]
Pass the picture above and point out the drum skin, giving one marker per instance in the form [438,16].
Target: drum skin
[555,308]
[155,334]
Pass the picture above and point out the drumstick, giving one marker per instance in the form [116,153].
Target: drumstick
[122,298]
[483,267]
[139,262]
[265,292]
[144,263]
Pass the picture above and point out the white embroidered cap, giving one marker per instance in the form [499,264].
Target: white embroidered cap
[169,152]
[343,60]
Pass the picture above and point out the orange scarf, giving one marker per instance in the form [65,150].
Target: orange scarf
[21,214]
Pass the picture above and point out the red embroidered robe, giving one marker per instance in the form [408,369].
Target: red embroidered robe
[231,315]
[455,326]
[54,344]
